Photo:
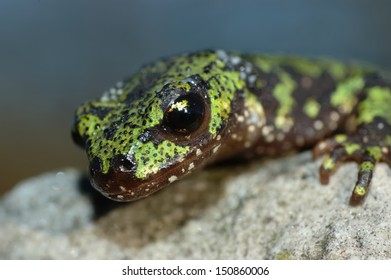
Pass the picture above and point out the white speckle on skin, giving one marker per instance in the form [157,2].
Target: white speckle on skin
[380,125]
[222,55]
[287,128]
[318,124]
[322,145]
[120,196]
[334,116]
[132,193]
[146,190]
[183,170]
[198,152]
[105,97]
[191,166]
[181,159]
[215,149]
[280,136]
[240,118]
[365,139]
[173,178]
[235,60]
[248,67]
[251,128]
[218,138]
[242,75]
[252,79]
[122,188]
[266,130]
[234,136]
[269,138]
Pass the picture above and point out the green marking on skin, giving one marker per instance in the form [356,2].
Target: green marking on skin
[340,138]
[311,108]
[328,163]
[375,152]
[345,96]
[377,104]
[265,62]
[307,67]
[88,125]
[350,148]
[366,166]
[180,85]
[337,70]
[255,108]
[360,190]
[388,140]
[283,93]
[221,100]
[147,156]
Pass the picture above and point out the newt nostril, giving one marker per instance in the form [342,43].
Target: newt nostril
[119,182]
[122,164]
[118,164]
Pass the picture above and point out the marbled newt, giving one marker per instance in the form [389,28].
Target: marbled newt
[179,114]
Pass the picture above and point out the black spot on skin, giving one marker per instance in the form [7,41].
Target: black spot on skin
[108,133]
[100,112]
[375,79]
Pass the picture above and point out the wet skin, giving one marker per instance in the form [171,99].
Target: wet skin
[180,114]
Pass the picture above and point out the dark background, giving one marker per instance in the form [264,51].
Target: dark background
[56,54]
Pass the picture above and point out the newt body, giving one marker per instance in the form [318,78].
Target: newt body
[180,114]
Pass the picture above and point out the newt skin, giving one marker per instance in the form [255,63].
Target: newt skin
[180,114]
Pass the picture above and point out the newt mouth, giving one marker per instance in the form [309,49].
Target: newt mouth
[121,184]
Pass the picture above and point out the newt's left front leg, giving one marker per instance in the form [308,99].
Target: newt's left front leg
[370,144]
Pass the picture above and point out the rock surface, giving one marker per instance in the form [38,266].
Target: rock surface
[273,209]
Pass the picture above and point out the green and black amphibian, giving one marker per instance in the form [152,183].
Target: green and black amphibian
[180,114]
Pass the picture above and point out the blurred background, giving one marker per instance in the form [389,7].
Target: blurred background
[55,55]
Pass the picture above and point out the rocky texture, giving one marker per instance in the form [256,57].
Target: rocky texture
[274,209]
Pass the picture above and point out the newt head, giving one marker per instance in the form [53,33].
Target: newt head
[158,126]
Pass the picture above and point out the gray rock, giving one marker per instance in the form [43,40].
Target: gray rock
[273,209]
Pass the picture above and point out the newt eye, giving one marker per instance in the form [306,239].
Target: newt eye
[185,115]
